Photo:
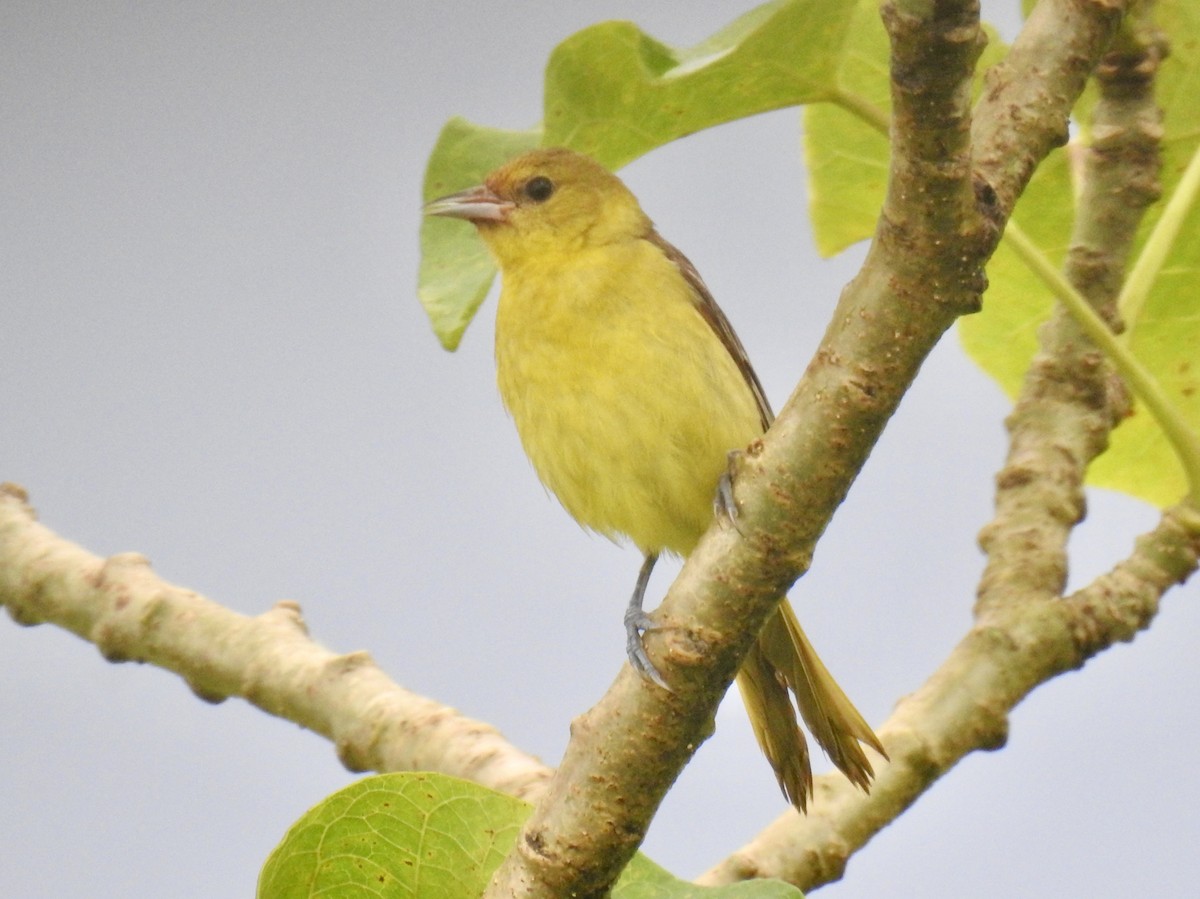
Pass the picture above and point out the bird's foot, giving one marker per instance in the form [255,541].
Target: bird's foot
[725,505]
[636,623]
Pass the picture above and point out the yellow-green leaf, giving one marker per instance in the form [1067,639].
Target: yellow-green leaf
[1003,337]
[846,147]
[847,159]
[616,93]
[1164,333]
[456,270]
[845,140]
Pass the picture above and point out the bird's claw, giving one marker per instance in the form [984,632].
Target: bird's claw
[725,505]
[636,623]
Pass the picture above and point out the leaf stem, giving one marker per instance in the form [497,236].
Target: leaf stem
[1132,298]
[1145,387]
[857,104]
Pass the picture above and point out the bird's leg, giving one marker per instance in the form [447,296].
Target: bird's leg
[637,621]
[725,505]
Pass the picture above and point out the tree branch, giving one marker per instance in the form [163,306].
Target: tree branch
[1028,96]
[131,615]
[964,706]
[1071,399]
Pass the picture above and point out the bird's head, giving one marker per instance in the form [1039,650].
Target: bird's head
[547,201]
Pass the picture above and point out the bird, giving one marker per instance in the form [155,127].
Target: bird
[629,390]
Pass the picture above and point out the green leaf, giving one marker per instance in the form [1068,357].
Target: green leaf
[417,835]
[1163,333]
[395,835]
[847,159]
[456,270]
[645,880]
[846,148]
[1003,337]
[616,93]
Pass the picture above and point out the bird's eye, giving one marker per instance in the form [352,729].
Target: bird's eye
[539,189]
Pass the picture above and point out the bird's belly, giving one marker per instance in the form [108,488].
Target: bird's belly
[630,429]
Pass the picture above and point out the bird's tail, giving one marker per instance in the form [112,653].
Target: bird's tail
[783,659]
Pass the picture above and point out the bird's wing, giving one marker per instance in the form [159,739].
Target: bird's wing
[716,319]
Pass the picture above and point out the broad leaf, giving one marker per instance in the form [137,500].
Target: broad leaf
[1164,334]
[847,158]
[456,270]
[846,147]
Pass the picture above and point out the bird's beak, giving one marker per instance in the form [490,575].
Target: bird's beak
[475,204]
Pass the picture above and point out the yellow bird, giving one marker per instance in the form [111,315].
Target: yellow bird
[629,389]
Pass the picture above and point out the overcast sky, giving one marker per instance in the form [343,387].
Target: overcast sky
[211,352]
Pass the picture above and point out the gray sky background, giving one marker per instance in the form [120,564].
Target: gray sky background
[211,352]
